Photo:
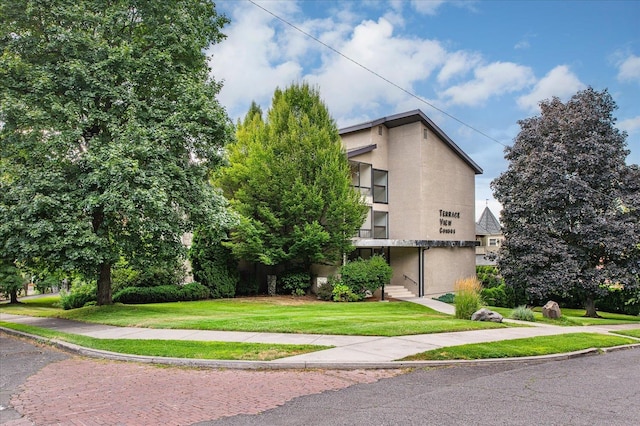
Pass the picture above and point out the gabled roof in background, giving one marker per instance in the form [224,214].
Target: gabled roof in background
[413,117]
[488,224]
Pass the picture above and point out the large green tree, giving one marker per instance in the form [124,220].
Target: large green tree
[109,129]
[288,178]
[570,203]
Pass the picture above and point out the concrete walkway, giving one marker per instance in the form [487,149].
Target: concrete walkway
[348,351]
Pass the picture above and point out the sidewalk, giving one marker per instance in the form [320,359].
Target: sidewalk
[348,351]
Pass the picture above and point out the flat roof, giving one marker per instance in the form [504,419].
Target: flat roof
[413,117]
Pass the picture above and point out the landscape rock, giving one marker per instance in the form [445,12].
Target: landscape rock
[485,314]
[551,310]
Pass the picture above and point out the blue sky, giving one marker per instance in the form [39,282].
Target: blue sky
[485,63]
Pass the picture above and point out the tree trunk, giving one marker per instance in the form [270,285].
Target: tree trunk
[590,307]
[13,294]
[104,284]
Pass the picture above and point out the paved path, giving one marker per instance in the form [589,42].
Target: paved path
[348,351]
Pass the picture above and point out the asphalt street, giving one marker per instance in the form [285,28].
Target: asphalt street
[593,390]
[51,387]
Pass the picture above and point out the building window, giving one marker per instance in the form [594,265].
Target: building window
[361,177]
[380,181]
[493,242]
[365,230]
[380,225]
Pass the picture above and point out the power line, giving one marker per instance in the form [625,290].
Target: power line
[411,94]
[364,67]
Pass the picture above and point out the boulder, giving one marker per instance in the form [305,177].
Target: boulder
[485,314]
[551,310]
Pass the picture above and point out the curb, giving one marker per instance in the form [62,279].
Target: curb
[304,365]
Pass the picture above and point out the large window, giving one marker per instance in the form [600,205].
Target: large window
[380,180]
[365,229]
[380,225]
[361,177]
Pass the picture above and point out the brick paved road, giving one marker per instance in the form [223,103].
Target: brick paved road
[79,391]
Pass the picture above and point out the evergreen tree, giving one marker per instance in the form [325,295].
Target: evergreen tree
[288,178]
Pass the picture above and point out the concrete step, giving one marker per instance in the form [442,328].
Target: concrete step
[397,291]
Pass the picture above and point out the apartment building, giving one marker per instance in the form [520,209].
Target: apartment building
[420,187]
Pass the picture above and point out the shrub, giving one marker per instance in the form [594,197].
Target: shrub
[488,276]
[366,275]
[522,313]
[162,293]
[467,299]
[123,275]
[325,291]
[343,293]
[81,294]
[213,264]
[295,283]
[446,298]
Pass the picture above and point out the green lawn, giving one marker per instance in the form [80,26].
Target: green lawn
[633,333]
[533,346]
[305,315]
[575,317]
[265,314]
[177,348]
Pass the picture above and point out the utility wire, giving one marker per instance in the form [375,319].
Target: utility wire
[411,94]
[364,67]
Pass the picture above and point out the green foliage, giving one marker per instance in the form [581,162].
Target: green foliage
[325,291]
[104,107]
[501,296]
[81,294]
[162,293]
[213,264]
[366,275]
[343,293]
[620,300]
[288,178]
[295,283]
[571,205]
[11,280]
[522,313]
[468,299]
[488,276]
[153,275]
[446,298]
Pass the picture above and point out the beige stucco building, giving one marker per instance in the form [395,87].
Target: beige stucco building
[420,187]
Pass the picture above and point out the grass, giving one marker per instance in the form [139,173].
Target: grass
[265,314]
[633,333]
[533,346]
[575,317]
[178,348]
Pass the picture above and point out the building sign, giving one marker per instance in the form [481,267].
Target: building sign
[447,221]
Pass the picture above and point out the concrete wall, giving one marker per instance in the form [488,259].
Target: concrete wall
[443,266]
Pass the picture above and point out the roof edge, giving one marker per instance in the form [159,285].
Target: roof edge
[412,117]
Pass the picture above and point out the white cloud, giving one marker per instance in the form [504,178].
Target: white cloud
[524,44]
[490,80]
[252,62]
[629,69]
[348,87]
[427,7]
[630,125]
[458,63]
[559,82]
